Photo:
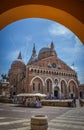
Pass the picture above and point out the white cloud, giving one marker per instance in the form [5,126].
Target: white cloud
[75,68]
[57,30]
[75,51]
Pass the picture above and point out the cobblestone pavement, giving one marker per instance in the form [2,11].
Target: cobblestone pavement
[18,118]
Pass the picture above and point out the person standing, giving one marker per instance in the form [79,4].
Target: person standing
[74,101]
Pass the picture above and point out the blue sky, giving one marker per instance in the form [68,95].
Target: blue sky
[21,35]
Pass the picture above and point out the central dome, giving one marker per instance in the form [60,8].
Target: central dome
[44,49]
[47,52]
[44,52]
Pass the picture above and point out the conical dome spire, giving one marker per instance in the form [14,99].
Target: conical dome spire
[34,51]
[53,52]
[33,57]
[18,62]
[19,56]
[52,45]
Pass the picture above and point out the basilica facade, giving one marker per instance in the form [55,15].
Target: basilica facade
[44,73]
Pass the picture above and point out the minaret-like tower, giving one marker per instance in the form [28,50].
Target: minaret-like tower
[33,56]
[34,51]
[20,56]
[52,45]
[53,52]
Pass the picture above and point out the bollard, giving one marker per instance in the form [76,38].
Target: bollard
[39,122]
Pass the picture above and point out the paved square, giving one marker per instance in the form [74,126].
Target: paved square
[59,118]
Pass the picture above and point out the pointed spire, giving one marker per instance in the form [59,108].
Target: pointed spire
[52,45]
[33,56]
[19,56]
[34,51]
[53,52]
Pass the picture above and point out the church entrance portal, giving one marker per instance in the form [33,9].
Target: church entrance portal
[56,89]
[56,93]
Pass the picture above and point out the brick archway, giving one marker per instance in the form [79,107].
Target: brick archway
[72,88]
[36,78]
[64,92]
[69,13]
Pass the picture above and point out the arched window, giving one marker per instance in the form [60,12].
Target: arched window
[69,89]
[61,87]
[73,88]
[47,86]
[33,86]
[39,86]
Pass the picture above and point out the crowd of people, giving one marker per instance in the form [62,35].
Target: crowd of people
[32,102]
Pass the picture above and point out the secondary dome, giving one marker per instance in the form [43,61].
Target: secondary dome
[18,62]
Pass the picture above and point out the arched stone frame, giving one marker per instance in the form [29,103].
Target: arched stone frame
[8,11]
[63,89]
[73,92]
[35,78]
[39,78]
[64,80]
[51,86]
[50,79]
[50,10]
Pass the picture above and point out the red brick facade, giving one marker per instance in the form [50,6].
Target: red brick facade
[44,73]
